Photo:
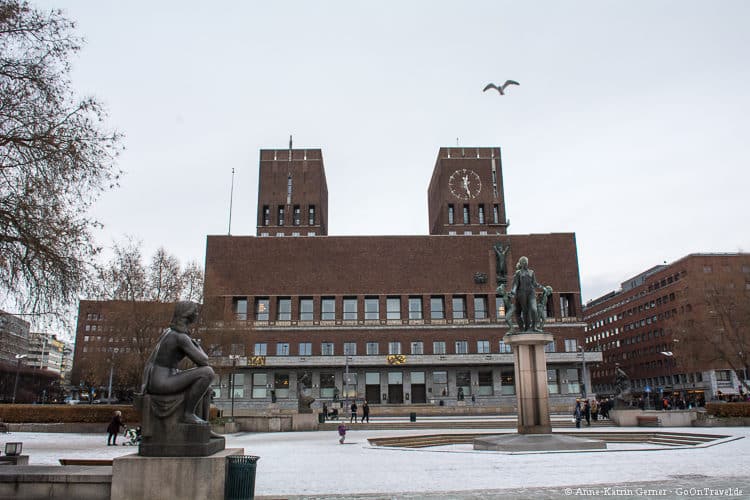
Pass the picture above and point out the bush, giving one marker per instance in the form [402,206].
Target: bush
[728,409]
[45,414]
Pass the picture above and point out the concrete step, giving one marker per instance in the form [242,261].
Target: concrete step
[445,424]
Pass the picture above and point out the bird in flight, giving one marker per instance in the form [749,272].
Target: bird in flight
[501,88]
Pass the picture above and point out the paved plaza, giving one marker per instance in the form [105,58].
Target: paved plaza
[314,465]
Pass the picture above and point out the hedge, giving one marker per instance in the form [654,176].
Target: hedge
[728,409]
[37,414]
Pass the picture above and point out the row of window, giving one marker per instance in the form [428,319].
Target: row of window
[634,310]
[466,214]
[296,215]
[261,384]
[371,308]
[417,347]
[350,308]
[631,298]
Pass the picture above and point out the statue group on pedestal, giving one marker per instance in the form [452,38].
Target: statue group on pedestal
[521,299]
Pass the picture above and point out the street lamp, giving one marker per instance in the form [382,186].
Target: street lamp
[583,359]
[672,364]
[233,357]
[19,357]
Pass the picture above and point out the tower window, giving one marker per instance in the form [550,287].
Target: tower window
[451,215]
[266,215]
[297,213]
[496,214]
[289,190]
[281,215]
[481,214]
[466,214]
[311,215]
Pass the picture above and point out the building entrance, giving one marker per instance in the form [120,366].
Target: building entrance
[418,393]
[418,388]
[372,387]
[395,387]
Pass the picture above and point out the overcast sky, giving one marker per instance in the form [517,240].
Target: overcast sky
[629,128]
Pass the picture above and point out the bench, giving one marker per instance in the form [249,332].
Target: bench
[86,461]
[648,421]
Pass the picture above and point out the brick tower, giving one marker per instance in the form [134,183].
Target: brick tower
[466,192]
[292,193]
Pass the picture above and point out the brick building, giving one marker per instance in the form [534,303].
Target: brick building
[115,336]
[661,328]
[391,319]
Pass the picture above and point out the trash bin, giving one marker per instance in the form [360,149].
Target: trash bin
[321,418]
[412,417]
[239,479]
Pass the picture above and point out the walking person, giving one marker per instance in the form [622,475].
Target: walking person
[587,412]
[595,410]
[114,428]
[353,418]
[325,412]
[365,412]
[342,433]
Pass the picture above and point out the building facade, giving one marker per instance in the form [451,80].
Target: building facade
[14,337]
[114,338]
[46,352]
[399,320]
[665,328]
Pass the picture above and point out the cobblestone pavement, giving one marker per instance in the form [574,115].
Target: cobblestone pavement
[675,486]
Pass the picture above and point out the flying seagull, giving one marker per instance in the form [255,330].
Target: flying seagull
[502,87]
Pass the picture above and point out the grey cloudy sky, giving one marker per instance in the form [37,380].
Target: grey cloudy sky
[630,127]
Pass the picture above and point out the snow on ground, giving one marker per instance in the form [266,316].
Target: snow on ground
[314,463]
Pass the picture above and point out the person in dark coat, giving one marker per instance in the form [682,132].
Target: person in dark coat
[578,414]
[587,412]
[365,412]
[353,418]
[114,428]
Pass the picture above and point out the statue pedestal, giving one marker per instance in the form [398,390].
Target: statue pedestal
[167,478]
[531,381]
[164,435]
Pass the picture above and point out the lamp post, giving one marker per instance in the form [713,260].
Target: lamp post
[346,381]
[673,362]
[19,357]
[583,359]
[231,383]
[109,387]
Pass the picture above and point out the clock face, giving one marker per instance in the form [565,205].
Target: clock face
[465,184]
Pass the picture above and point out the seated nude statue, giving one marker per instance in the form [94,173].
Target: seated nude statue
[161,375]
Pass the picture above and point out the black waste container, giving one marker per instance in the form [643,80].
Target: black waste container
[239,479]
[321,418]
[412,417]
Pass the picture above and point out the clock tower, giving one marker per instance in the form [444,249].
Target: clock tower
[292,193]
[466,192]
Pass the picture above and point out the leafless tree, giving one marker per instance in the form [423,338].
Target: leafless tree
[164,277]
[124,277]
[56,158]
[192,282]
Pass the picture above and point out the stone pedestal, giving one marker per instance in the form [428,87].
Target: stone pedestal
[187,478]
[531,381]
[165,435]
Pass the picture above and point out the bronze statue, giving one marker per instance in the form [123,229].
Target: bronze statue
[501,269]
[508,303]
[171,399]
[524,292]
[622,386]
[546,293]
[162,376]
[303,400]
